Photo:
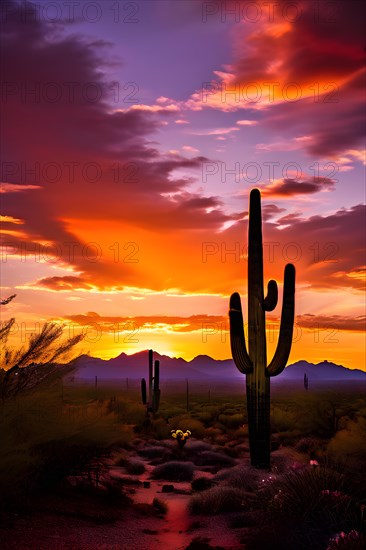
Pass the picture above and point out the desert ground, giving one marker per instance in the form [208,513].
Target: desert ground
[83,467]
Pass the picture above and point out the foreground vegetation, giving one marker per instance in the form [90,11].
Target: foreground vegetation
[59,440]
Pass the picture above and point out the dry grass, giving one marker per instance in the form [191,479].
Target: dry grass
[174,471]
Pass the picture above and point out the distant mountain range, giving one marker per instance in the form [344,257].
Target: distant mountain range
[201,367]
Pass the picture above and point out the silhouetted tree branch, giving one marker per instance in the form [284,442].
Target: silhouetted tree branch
[29,366]
[7,300]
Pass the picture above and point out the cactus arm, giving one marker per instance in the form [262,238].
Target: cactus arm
[270,301]
[237,338]
[278,363]
[143,391]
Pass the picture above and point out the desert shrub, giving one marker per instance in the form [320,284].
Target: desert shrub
[135,467]
[283,420]
[350,443]
[241,433]
[234,451]
[222,440]
[220,426]
[201,484]
[169,411]
[101,504]
[160,505]
[44,438]
[174,471]
[322,418]
[230,411]
[232,421]
[120,458]
[196,447]
[151,452]
[213,410]
[288,438]
[286,459]
[212,433]
[202,543]
[309,445]
[159,428]
[59,459]
[318,499]
[211,458]
[112,493]
[126,479]
[204,417]
[17,479]
[241,476]
[218,500]
[245,519]
[347,541]
[127,412]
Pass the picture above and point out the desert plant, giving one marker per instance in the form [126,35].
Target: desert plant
[309,445]
[347,541]
[201,484]
[241,476]
[349,444]
[174,471]
[155,452]
[152,400]
[218,500]
[212,458]
[42,444]
[320,498]
[37,362]
[135,467]
[232,421]
[181,437]
[254,363]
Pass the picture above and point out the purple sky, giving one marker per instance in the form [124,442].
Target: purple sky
[222,103]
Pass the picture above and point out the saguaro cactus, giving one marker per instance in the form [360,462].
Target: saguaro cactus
[254,362]
[152,400]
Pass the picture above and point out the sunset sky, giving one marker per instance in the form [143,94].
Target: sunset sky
[132,133]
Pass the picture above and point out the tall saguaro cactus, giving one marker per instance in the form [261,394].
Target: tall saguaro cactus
[152,400]
[253,363]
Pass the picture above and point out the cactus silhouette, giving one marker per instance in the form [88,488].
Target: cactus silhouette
[152,400]
[253,363]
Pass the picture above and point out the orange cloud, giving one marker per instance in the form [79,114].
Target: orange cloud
[148,322]
[201,322]
[289,187]
[312,84]
[336,322]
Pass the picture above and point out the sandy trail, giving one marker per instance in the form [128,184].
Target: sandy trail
[48,530]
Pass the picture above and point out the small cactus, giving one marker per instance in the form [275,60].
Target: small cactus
[152,400]
[181,437]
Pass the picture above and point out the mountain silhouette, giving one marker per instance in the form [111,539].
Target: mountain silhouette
[201,367]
